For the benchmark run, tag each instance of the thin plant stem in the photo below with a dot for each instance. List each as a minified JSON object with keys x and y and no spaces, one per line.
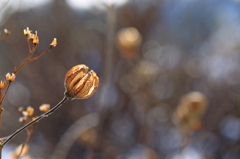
{"x":108,"y":67}
{"x":30,"y":60}
{"x":21,"y":66}
{"x":34,"y":121}
{"x":35,"y":58}
{"x":1,"y":147}
{"x":4,"y":36}
{"x":5,"y":93}
{"x":28,"y":43}
{"x":29,"y":133}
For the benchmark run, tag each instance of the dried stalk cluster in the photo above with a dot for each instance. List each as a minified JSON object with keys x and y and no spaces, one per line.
{"x":79,"y":83}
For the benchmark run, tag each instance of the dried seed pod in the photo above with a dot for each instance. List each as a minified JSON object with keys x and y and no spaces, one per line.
{"x":79,"y":83}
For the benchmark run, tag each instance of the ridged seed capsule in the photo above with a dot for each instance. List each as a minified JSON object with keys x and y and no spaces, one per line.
{"x":79,"y":83}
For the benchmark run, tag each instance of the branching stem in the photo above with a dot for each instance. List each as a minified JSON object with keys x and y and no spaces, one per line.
{"x":34,"y":121}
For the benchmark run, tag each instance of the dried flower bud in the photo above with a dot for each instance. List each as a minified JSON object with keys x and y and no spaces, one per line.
{"x":30,"y":111}
{"x":6,"y":31}
{"x":31,"y":36}
{"x":36,"y":40}
{"x":54,"y":42}
{"x":10,"y":77}
{"x":21,"y":119}
{"x":25,"y":113}
{"x":44,"y":107}
{"x":79,"y":83}
{"x":2,"y":85}
{"x":20,"y":109}
{"x":27,"y":32}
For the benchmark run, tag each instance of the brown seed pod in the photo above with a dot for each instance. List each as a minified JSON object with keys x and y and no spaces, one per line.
{"x":79,"y":83}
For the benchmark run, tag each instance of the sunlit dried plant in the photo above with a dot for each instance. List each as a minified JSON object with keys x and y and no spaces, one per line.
{"x":78,"y":83}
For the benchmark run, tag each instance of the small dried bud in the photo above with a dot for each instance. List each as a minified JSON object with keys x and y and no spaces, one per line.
{"x":25,"y":113}
{"x":21,"y":119}
{"x":20,"y":109}
{"x":10,"y":77}
{"x":27,"y":32}
{"x":35,"y":40}
{"x":44,"y":107}
{"x":6,"y":31}
{"x":54,"y":42}
{"x":30,"y":111}
{"x":2,"y":84}
{"x":79,"y":83}
{"x":31,"y":36}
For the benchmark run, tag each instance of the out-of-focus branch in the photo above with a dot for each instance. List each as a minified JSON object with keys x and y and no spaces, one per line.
{"x":107,"y":69}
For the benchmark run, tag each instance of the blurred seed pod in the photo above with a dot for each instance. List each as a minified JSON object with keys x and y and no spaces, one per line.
{"x":19,"y":149}
{"x":128,"y":42}
{"x":88,"y":137}
{"x":146,"y":71}
{"x":195,"y":102}
{"x":190,"y":110}
{"x":196,"y":125}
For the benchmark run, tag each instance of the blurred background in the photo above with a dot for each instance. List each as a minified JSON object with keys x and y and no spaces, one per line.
{"x":169,"y":78}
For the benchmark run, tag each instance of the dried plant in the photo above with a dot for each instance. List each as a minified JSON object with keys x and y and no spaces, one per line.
{"x":79,"y":84}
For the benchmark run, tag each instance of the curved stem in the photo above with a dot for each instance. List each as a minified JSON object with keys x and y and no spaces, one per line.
{"x":34,"y":121}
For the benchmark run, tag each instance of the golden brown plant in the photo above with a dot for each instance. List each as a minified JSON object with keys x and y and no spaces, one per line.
{"x":32,"y":41}
{"x":79,"y":83}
